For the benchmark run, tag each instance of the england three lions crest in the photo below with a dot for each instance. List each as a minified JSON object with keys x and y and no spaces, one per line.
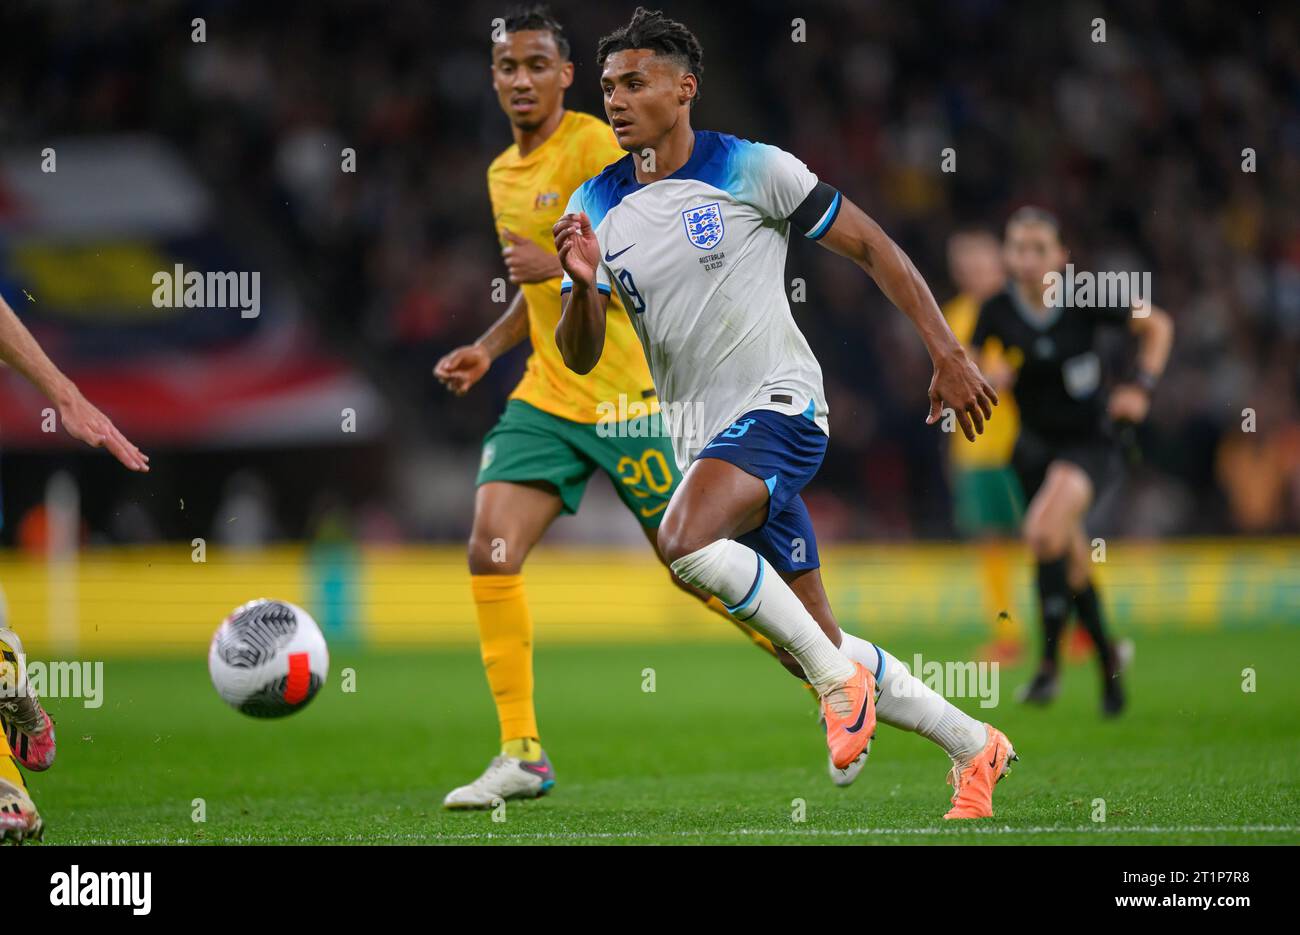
{"x":704,"y":226}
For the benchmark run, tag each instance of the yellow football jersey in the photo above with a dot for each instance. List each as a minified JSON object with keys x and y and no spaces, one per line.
{"x":993,"y":448}
{"x":528,"y":196}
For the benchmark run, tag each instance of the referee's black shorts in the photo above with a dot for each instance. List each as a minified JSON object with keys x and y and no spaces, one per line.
{"x":1096,"y":454}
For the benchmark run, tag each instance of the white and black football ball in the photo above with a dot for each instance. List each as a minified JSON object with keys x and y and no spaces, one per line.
{"x":268,"y":658}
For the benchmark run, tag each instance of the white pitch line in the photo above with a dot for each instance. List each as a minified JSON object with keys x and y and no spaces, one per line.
{"x":732,"y":833}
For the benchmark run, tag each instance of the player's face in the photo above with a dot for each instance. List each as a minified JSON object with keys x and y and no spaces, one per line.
{"x":1032,"y":250}
{"x":644,"y":96}
{"x":529,"y":76}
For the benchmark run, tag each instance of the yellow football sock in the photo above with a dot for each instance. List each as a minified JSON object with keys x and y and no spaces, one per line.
{"x":8,"y":768}
{"x":505,"y":629}
{"x":996,"y":565}
{"x":528,"y":749}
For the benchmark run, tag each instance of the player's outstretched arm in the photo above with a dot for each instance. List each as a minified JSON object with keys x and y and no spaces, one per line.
{"x":957,"y":382}
{"x":80,"y":419}
{"x":1130,"y":401}
{"x":580,"y":335}
{"x":462,"y":368}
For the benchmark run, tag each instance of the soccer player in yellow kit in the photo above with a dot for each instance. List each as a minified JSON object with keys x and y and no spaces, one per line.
{"x":558,"y":428}
{"x":987,"y":500}
{"x":26,"y":731}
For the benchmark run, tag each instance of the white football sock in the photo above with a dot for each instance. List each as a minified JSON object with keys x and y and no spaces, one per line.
{"x":859,"y":650}
{"x":908,"y":703}
{"x":755,"y":594}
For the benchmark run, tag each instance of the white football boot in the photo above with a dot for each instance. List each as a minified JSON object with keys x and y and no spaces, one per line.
{"x":507,"y":777}
{"x":19,"y":820}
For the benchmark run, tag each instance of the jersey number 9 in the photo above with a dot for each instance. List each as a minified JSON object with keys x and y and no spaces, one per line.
{"x":636,"y":303}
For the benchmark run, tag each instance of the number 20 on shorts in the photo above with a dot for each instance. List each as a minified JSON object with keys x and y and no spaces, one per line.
{"x":652,"y":470}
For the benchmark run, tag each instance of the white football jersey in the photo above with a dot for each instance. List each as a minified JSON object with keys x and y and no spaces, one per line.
{"x":698,"y":258}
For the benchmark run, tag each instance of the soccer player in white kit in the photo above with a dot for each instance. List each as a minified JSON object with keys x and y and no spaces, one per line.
{"x":692,"y":228}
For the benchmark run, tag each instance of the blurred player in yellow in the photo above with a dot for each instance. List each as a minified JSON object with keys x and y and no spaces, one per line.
{"x":986,"y":495}
{"x":558,"y":428}
{"x":26,"y":731}
{"x":19,"y":820}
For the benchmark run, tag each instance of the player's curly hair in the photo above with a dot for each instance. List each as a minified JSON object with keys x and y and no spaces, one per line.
{"x":538,"y":16}
{"x":650,"y":29}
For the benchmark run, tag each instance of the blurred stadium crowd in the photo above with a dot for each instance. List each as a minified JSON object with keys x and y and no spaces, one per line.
{"x":1136,"y":142}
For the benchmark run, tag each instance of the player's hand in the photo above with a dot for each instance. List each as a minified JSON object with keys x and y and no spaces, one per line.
{"x":958,"y":384}
{"x":85,"y":423}
{"x":1129,"y":403}
{"x":575,"y":242}
{"x":527,"y":262}
{"x":462,"y":368}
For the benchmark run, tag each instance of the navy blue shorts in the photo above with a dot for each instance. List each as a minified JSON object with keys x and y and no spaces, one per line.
{"x":784,"y":452}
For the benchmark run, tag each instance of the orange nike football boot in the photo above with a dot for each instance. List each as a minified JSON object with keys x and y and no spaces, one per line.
{"x":850,"y":712}
{"x":972,"y":784}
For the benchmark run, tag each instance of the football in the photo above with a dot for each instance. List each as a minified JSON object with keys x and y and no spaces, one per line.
{"x":268,"y":659}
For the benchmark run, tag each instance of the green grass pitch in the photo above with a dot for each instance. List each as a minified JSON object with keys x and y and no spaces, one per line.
{"x":718,"y":753}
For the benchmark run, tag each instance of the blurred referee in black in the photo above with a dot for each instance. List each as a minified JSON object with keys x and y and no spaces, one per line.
{"x":1067,"y":451}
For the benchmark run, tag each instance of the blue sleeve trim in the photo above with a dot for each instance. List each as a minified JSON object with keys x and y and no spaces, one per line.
{"x":601,"y":287}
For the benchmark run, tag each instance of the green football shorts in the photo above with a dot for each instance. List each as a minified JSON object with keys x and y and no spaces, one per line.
{"x":987,"y":501}
{"x":528,"y":445}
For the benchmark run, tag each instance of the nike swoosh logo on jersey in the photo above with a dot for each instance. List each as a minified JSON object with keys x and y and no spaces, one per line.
{"x":611,"y":257}
{"x":648,"y":513}
{"x":720,"y":445}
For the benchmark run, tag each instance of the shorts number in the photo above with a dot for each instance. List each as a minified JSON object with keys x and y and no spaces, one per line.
{"x":638,"y":303}
{"x":738,"y":428}
{"x":652,"y":469}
